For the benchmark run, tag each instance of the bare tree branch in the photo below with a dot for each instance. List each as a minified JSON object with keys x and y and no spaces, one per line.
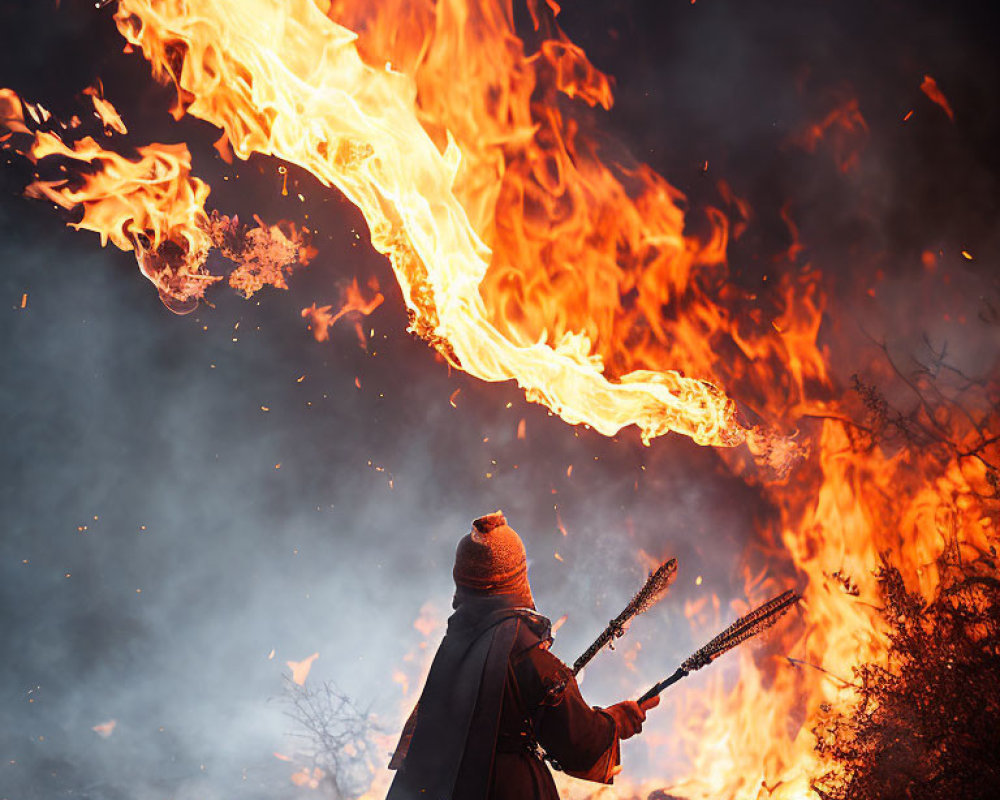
{"x":338,"y":737}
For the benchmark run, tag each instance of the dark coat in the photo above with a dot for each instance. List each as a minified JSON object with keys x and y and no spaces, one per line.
{"x":494,"y":693}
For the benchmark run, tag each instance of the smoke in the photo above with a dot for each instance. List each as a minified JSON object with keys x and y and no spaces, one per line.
{"x":155,"y":551}
{"x":155,"y":555}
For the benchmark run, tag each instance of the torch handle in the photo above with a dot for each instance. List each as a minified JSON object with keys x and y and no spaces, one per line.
{"x":659,"y":687}
{"x":615,"y":629}
{"x":654,"y":587}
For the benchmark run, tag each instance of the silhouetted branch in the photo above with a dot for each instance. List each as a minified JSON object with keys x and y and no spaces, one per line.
{"x":338,"y":736}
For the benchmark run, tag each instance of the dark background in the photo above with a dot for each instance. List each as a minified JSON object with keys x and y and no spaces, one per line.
{"x":152,"y":554}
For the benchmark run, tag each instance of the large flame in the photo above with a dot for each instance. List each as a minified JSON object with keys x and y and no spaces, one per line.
{"x":283,"y":79}
{"x":522,"y":255}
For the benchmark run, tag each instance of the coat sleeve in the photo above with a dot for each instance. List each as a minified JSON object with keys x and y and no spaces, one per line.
{"x":583,"y":740}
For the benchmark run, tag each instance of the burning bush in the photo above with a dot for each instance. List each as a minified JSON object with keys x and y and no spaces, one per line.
{"x":926,"y":723}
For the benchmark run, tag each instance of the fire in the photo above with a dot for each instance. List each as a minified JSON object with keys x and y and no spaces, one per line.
{"x":300,"y":669}
{"x":309,"y":779}
{"x":106,"y":112}
{"x":283,"y":79}
{"x":139,"y":205}
{"x":430,"y":624}
{"x":322,"y":318}
{"x":930,"y":88}
{"x":11,"y":113}
{"x":521,"y":255}
{"x":154,"y":206}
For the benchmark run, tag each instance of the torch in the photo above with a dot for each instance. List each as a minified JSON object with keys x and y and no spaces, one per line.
{"x":746,"y":627}
{"x":654,"y":588}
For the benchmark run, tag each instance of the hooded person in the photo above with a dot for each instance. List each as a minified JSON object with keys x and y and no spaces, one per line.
{"x":497,"y":704}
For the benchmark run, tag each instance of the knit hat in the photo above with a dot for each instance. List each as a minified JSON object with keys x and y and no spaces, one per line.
{"x":491,"y":560}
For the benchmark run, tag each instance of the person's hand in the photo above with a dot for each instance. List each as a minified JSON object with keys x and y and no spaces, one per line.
{"x":629,"y":716}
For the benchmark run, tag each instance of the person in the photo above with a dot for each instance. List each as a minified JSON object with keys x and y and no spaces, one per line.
{"x":497,"y":705}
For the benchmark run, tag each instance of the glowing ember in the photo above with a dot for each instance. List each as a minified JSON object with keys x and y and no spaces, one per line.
{"x":930,"y":88}
{"x":322,"y":318}
{"x":300,"y":669}
{"x":105,"y":729}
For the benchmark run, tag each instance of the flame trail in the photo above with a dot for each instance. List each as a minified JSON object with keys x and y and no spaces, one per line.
{"x":746,"y":627}
{"x":652,"y":592}
{"x":282,"y":79}
{"x":154,"y":206}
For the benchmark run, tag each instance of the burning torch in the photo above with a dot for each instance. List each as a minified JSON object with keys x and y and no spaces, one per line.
{"x":746,"y":627}
{"x":655,"y":587}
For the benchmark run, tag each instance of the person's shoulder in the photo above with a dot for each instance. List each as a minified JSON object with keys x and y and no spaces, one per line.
{"x":531,"y":654}
{"x":533,"y":632}
{"x":534,"y":624}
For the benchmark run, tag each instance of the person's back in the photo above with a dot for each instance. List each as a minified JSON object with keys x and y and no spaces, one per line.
{"x":496,"y":699}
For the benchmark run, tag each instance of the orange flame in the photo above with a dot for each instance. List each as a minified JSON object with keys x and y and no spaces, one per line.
{"x":309,"y":779}
{"x":104,"y":110}
{"x":11,"y":112}
{"x":153,"y":206}
{"x":321,"y":318}
{"x":285,"y":80}
{"x":930,"y":88}
{"x":300,"y":669}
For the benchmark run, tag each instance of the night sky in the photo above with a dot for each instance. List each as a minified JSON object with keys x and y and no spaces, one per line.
{"x":154,"y":553}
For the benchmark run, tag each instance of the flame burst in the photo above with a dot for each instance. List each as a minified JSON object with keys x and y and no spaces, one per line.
{"x":283,"y":79}
{"x":153,"y":206}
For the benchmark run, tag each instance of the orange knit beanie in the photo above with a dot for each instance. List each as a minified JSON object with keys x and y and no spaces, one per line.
{"x":491,"y":559}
